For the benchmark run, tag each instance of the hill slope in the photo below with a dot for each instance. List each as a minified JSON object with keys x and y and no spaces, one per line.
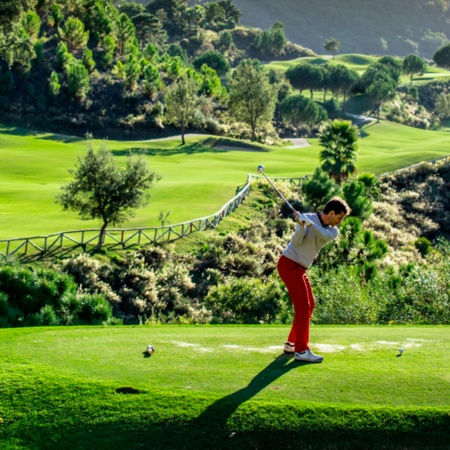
{"x":397,"y":27}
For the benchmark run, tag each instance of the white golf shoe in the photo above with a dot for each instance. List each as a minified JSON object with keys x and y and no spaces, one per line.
{"x":308,"y":356}
{"x":289,"y":348}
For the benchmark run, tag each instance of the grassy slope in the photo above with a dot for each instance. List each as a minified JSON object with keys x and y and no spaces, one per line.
{"x":57,"y":386}
{"x":197,"y":179}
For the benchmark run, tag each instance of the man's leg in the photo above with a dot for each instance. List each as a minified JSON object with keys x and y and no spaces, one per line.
{"x":293,"y":276}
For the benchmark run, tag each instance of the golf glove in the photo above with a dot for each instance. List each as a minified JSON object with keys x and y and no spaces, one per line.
{"x":303,"y":220}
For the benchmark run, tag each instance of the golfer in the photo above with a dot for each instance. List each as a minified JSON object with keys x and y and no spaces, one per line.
{"x":313,"y":231}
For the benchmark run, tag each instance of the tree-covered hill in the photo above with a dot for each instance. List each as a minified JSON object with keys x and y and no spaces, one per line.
{"x":109,"y":68}
{"x":394,"y":27}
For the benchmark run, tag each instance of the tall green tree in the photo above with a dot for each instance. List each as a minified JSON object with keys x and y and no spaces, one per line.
{"x":175,"y":12}
{"x":132,"y":72}
{"x":379,"y":92}
{"x":252,"y":98}
{"x":413,"y":65}
{"x":109,"y":46}
{"x":54,"y":86}
{"x":78,"y":82}
{"x":332,"y":45}
{"x":278,"y":39}
{"x":183,"y":104}
{"x":31,"y":23}
{"x":101,"y":189}
{"x":442,"y":56}
{"x":73,"y":33}
{"x":149,"y":29}
{"x":300,"y":75}
{"x":297,"y":110}
{"x":340,"y":142}
{"x":231,"y":12}
{"x":124,"y":31}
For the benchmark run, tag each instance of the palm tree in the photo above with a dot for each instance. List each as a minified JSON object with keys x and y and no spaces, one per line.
{"x":339,"y":140}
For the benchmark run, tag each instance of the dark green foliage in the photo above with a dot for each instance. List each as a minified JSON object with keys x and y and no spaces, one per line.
{"x":332,"y":108}
{"x":46,"y":297}
{"x":317,"y":189}
{"x":6,"y":82}
{"x":354,"y":193}
{"x":413,"y":65}
{"x":87,"y":60}
{"x":225,"y":40}
{"x":442,"y":56}
{"x":297,"y":110}
{"x":78,"y":82}
{"x":213,"y":59}
{"x":371,"y":184}
{"x":423,"y":245}
{"x":176,"y":50}
{"x":93,"y":309}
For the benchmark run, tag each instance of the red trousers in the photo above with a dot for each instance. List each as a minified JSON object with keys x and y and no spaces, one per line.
{"x":299,"y":288}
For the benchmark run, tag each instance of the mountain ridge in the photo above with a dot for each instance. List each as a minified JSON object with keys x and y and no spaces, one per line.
{"x":385,"y":27}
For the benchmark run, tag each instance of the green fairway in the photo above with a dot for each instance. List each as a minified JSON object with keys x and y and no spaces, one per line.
{"x":197,"y":179}
{"x":59,"y":385}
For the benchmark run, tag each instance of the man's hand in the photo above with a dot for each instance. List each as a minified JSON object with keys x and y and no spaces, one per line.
{"x":302,"y":219}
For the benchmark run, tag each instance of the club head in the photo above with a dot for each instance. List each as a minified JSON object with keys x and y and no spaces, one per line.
{"x":260,"y":168}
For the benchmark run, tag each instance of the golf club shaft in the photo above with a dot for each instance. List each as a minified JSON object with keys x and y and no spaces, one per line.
{"x":279,"y":193}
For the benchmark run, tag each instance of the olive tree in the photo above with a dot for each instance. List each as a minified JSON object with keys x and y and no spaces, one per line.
{"x":101,"y":189}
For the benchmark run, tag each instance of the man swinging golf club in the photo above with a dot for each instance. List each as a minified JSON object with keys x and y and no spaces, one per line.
{"x":313,"y":231}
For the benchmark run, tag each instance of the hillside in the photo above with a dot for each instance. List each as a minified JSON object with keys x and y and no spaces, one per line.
{"x":397,"y":27}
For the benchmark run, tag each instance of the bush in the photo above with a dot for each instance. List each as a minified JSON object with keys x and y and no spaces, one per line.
{"x":94,"y":309}
{"x":422,"y":298}
{"x":46,"y":297}
{"x":342,"y":298}
{"x":423,"y":245}
{"x":245,"y":300}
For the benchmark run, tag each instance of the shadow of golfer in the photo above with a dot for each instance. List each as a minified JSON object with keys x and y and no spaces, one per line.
{"x":213,"y":421}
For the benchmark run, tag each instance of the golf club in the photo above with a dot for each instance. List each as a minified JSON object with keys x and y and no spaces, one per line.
{"x":261,"y":170}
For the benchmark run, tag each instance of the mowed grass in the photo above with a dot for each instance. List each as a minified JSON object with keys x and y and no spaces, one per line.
{"x":197,"y":178}
{"x":58,"y":387}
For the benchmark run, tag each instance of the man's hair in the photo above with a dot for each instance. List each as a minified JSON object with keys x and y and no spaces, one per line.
{"x":338,"y":205}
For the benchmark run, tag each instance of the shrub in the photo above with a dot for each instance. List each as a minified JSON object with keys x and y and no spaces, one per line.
{"x":245,"y":300}
{"x":423,"y":245}
{"x":342,"y":298}
{"x":94,"y":309}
